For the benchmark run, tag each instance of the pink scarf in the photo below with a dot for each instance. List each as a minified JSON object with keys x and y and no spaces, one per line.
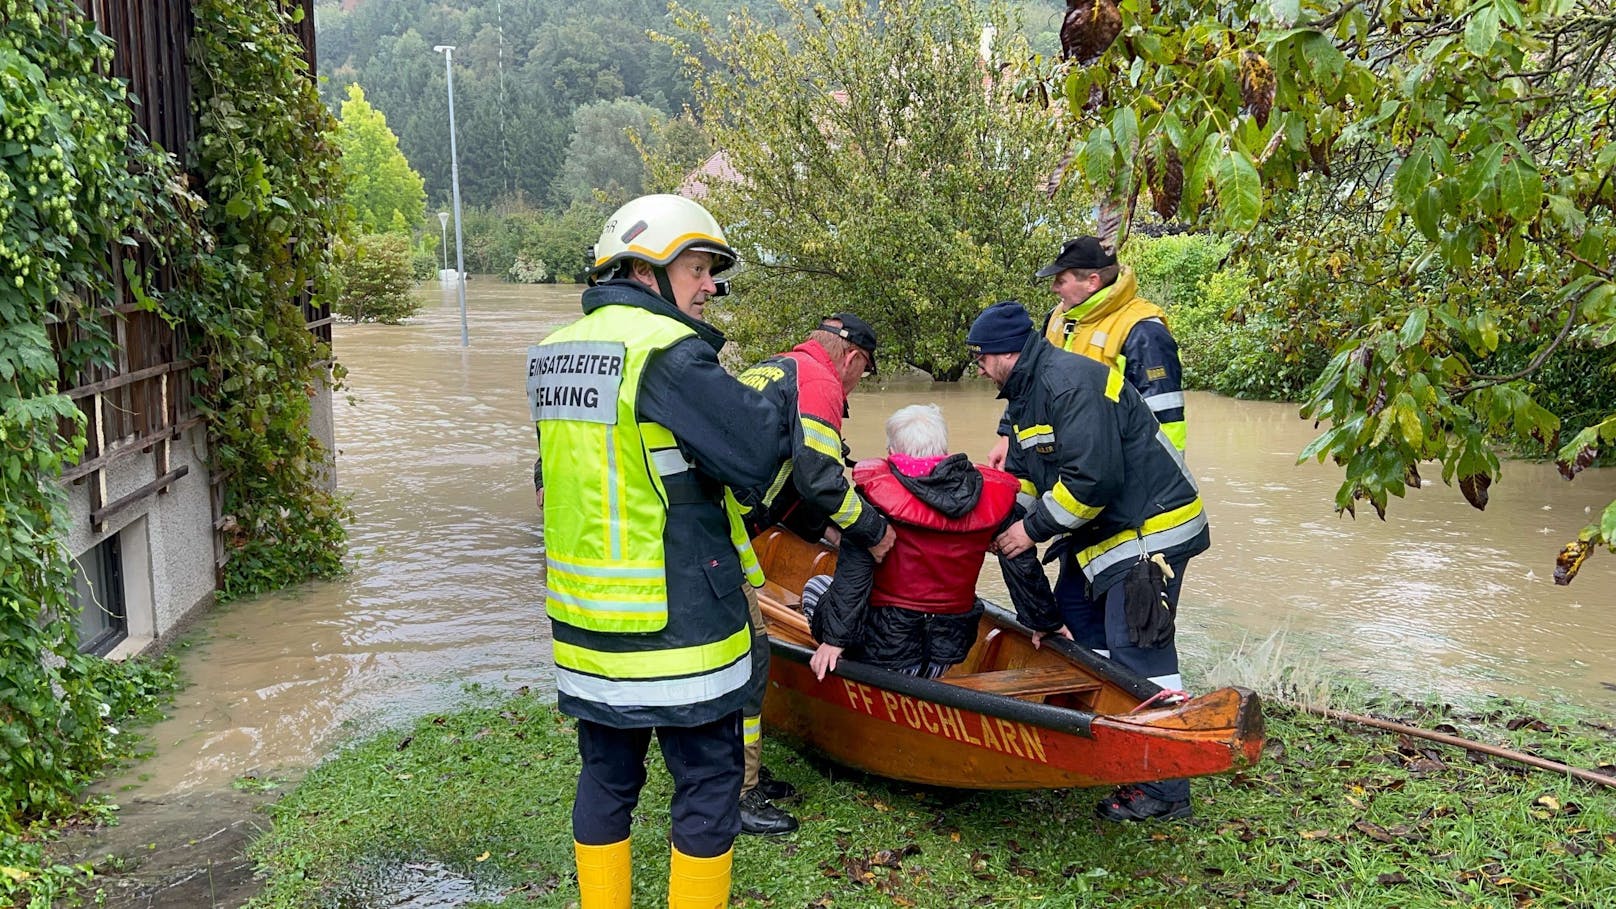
{"x":914,"y":467}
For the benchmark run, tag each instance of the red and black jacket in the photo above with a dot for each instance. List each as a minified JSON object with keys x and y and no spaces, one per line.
{"x":935,"y":563}
{"x":805,"y":388}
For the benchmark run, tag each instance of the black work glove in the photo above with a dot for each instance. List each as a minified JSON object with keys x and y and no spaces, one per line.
{"x":1149,"y":613}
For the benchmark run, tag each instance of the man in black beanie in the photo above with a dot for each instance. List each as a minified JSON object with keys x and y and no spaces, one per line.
{"x":1097,"y":473}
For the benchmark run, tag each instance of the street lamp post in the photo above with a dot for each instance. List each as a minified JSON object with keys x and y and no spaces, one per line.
{"x":447,"y":50}
{"x":443,"y":222}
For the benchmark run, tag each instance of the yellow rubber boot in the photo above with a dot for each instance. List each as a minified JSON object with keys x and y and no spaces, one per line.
{"x":605,"y":874}
{"x":699,"y":883}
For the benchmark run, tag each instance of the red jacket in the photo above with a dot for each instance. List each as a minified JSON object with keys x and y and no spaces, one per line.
{"x":934,"y":565}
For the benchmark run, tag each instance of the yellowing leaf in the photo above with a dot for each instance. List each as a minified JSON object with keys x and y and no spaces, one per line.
{"x":16,"y":874}
{"x":1549,"y":802}
{"x":483,"y":857}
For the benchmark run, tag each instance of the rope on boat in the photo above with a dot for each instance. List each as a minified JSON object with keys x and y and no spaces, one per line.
{"x":1161,"y":697}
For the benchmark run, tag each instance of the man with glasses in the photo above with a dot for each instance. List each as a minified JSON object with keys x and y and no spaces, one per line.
{"x":811,"y":496}
{"x":1102,"y":480}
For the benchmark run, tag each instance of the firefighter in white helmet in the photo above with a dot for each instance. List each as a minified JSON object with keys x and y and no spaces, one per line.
{"x":640,"y":430}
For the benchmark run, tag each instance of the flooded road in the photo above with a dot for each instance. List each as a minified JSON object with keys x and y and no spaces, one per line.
{"x":436,"y":449}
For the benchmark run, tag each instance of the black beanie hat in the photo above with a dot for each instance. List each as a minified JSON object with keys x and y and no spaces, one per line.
{"x":1001,"y":328}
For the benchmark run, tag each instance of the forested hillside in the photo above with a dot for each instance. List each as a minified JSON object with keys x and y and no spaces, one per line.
{"x":522,"y":68}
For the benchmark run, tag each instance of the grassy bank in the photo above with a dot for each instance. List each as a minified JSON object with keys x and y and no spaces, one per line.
{"x":479,"y":800}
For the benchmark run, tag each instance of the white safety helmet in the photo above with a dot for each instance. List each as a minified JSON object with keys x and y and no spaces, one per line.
{"x":656,"y":229}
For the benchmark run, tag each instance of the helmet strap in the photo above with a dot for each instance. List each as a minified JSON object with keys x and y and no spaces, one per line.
{"x":664,"y":285}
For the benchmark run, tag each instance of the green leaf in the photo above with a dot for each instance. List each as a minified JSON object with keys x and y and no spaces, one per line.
{"x":1479,"y":181}
{"x":1077,"y":90}
{"x":1607,"y":524}
{"x":1408,"y":420}
{"x":1125,"y":130}
{"x":1599,"y":303}
{"x":1413,"y":330}
{"x":1482,"y":30}
{"x":1239,"y":190}
{"x":1099,"y":158}
{"x":1520,"y":188}
{"x":1324,"y":61}
{"x":1428,"y":213}
{"x":1284,"y":12}
{"x":1564,"y":214}
{"x":1414,"y":174}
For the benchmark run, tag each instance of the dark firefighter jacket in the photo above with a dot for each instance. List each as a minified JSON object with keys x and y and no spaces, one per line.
{"x":1096,"y":465}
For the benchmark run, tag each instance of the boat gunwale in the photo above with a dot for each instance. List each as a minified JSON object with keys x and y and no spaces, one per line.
{"x":1045,"y":716}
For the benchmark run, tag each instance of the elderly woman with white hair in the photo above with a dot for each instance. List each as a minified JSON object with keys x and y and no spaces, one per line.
{"x":917,"y":611}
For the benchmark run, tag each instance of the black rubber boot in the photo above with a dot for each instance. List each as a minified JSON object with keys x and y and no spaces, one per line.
{"x":761,"y":818}
{"x":773,"y":788}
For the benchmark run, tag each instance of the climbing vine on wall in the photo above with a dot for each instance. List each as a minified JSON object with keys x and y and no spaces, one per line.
{"x":74,"y":182}
{"x":247,"y":235}
{"x":267,"y":164}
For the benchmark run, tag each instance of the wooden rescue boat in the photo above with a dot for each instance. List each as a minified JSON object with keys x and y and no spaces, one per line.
{"x":1008,"y":717}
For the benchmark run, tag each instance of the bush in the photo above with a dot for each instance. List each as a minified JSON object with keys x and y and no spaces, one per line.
{"x":1227,"y":344}
{"x":529,"y":270}
{"x":424,"y":261}
{"x":1171,"y":269}
{"x":373,"y":276}
{"x":496,"y":240}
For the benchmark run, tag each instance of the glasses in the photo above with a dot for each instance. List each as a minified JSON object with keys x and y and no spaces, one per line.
{"x":865,"y":372}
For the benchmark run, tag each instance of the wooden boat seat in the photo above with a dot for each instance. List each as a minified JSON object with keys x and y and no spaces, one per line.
{"x":1031,"y":681}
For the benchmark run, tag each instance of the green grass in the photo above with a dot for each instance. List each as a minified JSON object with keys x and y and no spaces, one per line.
{"x":1336,"y":816}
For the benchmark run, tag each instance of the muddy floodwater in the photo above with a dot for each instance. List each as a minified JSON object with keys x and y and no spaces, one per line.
{"x":435,"y":450}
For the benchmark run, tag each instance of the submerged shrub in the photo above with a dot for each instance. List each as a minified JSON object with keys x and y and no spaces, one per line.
{"x":375,"y":275}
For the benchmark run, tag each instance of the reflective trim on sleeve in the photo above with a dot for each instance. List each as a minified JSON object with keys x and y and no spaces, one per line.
{"x":1160,"y":533}
{"x":779,"y":483}
{"x":751,"y":730}
{"x":656,"y":693}
{"x":1171,"y":400}
{"x":1042,"y":434}
{"x":822,"y":438}
{"x":1066,"y":509}
{"x":1028,"y":487}
{"x":1026,"y":500}
{"x":852,"y":509}
{"x":1175,"y":450}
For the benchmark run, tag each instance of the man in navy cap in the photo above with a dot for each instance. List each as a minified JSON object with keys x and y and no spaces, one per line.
{"x":1099,"y":314}
{"x":809,"y":494}
{"x":1100,"y":477}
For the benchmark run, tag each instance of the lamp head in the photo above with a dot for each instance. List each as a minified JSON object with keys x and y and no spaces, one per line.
{"x":440,"y":48}
{"x":443,"y":218}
